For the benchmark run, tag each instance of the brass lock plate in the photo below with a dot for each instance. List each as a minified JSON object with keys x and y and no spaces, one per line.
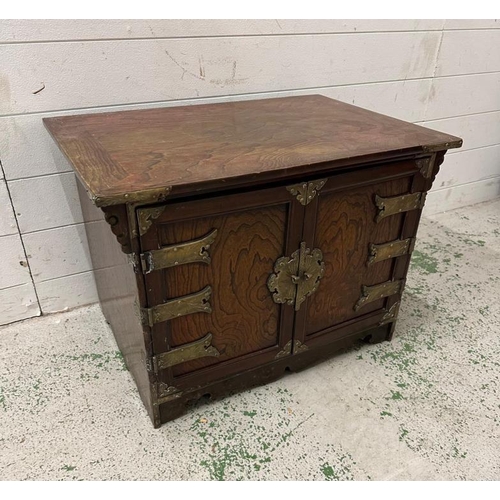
{"x":296,"y":277}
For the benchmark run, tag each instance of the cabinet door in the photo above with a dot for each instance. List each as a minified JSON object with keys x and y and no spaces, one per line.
{"x":341,"y":221}
{"x":207,"y":263}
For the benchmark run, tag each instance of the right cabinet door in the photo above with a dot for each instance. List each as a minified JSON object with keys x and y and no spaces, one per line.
{"x":359,"y":221}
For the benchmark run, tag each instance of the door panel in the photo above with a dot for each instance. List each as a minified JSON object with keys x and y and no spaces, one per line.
{"x":244,"y":319}
{"x":345,"y":228}
{"x":341,"y":222}
{"x":246,"y":325}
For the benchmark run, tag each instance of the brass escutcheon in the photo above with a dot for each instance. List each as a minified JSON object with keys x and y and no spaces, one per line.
{"x":296,"y":277}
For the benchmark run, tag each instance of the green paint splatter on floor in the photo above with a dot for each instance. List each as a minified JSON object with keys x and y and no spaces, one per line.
{"x":458,"y":454}
{"x":2,"y":399}
{"x":106,"y":360}
{"x":424,"y":262}
{"x":329,"y":472}
{"x":396,"y":395}
{"x":414,"y":290}
{"x":403,"y":434}
{"x":262,"y":437}
{"x":483,"y":311}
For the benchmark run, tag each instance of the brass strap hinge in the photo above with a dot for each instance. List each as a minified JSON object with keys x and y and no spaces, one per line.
{"x":189,"y":304}
{"x":398,"y":204}
{"x":384,"y":251}
{"x":306,"y":191}
{"x":375,"y":292}
{"x":296,"y":277}
{"x":181,"y":253}
{"x":200,"y":348}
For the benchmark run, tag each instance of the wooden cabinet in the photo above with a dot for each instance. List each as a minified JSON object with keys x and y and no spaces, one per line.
{"x":243,"y":239}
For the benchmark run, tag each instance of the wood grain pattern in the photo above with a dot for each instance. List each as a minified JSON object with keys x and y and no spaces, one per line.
{"x":345,"y":228}
{"x":244,"y":318}
{"x":192,"y":148}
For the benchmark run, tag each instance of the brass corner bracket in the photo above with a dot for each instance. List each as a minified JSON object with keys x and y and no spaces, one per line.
{"x":286,"y":351}
{"x":391,"y":314}
{"x":306,"y":191}
{"x":426,"y":166}
{"x":292,"y":347}
{"x":146,"y":217}
{"x":299,"y":347}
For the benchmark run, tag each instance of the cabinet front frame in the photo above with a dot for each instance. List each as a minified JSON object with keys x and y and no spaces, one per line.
{"x":301,"y":227}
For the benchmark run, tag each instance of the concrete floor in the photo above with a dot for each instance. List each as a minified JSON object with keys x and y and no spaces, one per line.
{"x":425,"y":406}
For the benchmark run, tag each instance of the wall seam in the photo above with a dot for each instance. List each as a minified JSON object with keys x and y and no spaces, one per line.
{"x":102,"y":108}
{"x":22,"y":241}
{"x":247,"y":35}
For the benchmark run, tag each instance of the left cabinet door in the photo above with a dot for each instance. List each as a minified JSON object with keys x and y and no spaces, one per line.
{"x":206,"y":265}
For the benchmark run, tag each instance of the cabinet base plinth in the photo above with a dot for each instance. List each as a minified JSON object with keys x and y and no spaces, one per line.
{"x":264,"y":374}
{"x":378,"y":335}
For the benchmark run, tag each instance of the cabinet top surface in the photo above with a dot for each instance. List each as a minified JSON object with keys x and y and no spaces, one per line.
{"x":141,"y":155}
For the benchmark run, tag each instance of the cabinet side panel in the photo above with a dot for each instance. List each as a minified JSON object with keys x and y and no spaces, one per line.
{"x":118,"y":290}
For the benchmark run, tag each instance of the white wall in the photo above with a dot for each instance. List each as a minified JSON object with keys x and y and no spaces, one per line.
{"x":444,"y":74}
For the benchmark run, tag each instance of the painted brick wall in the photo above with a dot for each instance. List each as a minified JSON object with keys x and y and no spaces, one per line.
{"x":441,"y":73}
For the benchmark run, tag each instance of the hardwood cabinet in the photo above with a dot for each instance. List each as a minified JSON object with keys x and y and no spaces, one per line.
{"x":239,"y":240}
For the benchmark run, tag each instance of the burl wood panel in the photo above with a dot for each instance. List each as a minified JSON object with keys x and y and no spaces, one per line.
{"x":345,"y":228}
{"x":244,"y":318}
{"x":195,"y":148}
